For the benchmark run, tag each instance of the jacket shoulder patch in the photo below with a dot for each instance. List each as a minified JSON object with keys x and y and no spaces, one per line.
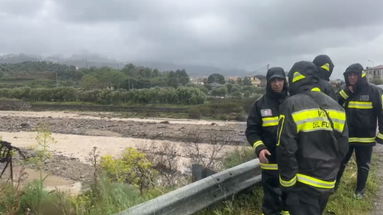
{"x":364,"y":98}
{"x":266,"y":112}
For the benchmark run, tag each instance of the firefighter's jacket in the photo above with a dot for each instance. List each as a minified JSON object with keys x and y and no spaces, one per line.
{"x":262,"y":122}
{"x":364,"y":111}
{"x":312,"y":134}
{"x":327,"y":89}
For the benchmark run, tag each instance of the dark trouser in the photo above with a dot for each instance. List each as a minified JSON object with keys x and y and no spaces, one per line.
{"x":363,"y":159}
{"x":272,"y":193}
{"x":305,"y":200}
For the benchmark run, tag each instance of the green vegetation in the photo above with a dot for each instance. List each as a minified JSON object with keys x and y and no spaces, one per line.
{"x":181,"y":95}
{"x":105,"y":197}
{"x":117,"y":185}
{"x":133,"y":168}
{"x":47,"y":82}
{"x":342,"y":202}
{"x":47,"y":75}
{"x":216,"y":78}
{"x":120,"y":183}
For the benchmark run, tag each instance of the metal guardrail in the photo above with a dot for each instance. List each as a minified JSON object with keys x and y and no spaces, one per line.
{"x":200,"y":194}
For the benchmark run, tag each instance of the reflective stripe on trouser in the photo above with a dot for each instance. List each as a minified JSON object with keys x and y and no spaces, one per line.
{"x":269,"y":166}
{"x":361,"y":139}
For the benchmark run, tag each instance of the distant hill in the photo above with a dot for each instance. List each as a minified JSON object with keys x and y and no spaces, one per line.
{"x":92,"y":60}
{"x":195,"y":70}
{"x":19,"y":58}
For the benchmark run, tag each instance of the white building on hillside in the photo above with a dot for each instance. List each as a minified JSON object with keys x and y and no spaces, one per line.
{"x":374,"y":73}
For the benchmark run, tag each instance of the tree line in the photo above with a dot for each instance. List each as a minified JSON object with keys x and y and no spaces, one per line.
{"x":181,"y":95}
{"x":49,"y":74}
{"x":48,"y":81}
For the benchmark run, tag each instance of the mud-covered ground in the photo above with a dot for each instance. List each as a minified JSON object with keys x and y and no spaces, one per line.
{"x":165,"y":129}
{"x":103,"y":125}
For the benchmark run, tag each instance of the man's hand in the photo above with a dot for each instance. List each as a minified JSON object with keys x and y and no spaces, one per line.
{"x":263,"y":156}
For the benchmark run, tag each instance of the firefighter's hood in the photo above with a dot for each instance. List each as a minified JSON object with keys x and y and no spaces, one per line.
{"x":324,"y":66}
{"x":302,"y":77}
{"x":276,"y":72}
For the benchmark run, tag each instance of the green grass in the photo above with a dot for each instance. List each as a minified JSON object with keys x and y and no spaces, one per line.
{"x":340,"y":203}
{"x":241,"y":204}
{"x":106,"y":197}
{"x":248,"y":202}
{"x":343,"y":202}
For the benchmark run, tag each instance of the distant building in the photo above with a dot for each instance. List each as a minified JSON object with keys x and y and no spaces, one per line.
{"x":374,"y":73}
{"x":255,"y":81}
{"x":263,"y":80}
{"x":198,"y":81}
{"x":232,"y":78}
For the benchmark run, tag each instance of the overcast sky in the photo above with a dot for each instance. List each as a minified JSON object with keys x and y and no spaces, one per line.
{"x":245,"y":34}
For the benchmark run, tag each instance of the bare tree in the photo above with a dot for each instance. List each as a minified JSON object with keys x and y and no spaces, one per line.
{"x":207,"y":157}
{"x":164,"y":157}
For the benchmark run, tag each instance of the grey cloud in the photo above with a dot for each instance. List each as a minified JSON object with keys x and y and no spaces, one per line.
{"x":242,"y":34}
{"x":20,"y":8}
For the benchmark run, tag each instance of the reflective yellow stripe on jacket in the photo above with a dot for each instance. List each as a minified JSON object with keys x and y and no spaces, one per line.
{"x":316,"y":119}
{"x":257,"y":143}
{"x":382,"y":101}
{"x":280,"y":129}
{"x":343,"y":94}
{"x":380,"y":136}
{"x":297,"y":76}
{"x":269,"y":166}
{"x":269,"y":121}
{"x":326,"y":66}
{"x":360,"y":105}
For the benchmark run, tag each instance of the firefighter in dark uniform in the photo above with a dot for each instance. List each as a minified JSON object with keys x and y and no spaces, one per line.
{"x":325,"y":67}
{"x":363,"y":104}
{"x":312,"y":141}
{"x":261,"y":133}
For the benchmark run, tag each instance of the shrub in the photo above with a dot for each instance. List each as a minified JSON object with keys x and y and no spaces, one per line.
{"x":133,"y":167}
